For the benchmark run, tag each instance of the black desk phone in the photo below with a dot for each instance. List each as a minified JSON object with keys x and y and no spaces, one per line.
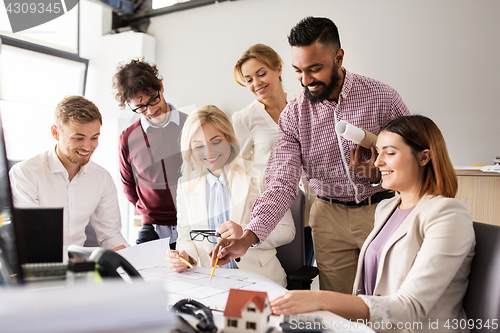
{"x":108,"y":261}
{"x":197,"y":310}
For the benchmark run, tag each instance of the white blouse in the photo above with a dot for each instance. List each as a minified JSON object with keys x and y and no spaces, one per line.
{"x":256,"y":131}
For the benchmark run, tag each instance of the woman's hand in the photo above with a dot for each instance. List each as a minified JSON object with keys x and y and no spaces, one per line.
{"x":302,"y":301}
{"x":229,"y":229}
{"x":297,"y":301}
{"x":176,"y":264}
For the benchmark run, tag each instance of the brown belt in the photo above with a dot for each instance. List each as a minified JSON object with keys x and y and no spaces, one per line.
{"x":376,"y":198}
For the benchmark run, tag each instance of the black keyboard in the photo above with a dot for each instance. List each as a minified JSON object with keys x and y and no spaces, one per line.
{"x":44,"y":271}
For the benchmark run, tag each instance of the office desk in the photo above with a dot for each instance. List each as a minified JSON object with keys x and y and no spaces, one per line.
{"x":148,"y":259}
{"x":137,"y":307}
{"x":112,"y":306}
{"x":480,"y":191}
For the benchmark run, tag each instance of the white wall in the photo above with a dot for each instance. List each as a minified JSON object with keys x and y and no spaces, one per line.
{"x":442,"y":56}
{"x":105,"y":53}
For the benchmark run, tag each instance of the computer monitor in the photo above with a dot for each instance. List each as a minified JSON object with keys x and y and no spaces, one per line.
{"x":39,"y":235}
{"x":10,"y":268}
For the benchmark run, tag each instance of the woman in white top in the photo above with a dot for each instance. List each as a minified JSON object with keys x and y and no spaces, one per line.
{"x":216,"y":192}
{"x":256,"y":126}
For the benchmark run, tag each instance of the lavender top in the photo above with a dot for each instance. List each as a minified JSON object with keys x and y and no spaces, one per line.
{"x":374,"y":250}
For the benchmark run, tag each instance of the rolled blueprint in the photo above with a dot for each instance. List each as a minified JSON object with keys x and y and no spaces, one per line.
{"x":355,"y":134}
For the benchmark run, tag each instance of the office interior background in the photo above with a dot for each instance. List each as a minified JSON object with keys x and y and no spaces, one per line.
{"x":441,"y":56}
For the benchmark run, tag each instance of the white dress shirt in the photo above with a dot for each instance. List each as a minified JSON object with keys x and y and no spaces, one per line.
{"x":42,"y":181}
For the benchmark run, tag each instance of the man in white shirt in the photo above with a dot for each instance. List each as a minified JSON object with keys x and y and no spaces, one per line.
{"x":65,"y":177}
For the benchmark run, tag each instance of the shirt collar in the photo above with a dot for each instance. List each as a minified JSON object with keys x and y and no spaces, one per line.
{"x":56,"y":165}
{"x":211,"y":179}
{"x":173,"y":118}
{"x":346,"y":87}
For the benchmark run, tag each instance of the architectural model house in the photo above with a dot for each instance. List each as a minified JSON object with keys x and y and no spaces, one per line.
{"x":247,"y":311}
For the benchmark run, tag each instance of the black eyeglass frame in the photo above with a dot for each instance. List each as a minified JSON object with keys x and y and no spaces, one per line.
{"x":145,"y":107}
{"x":205,"y":234}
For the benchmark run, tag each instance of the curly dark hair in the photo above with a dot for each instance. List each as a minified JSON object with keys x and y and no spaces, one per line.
{"x":134,"y":77}
{"x":312,"y":29}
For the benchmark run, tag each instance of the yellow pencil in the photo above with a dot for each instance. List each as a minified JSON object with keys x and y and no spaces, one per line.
{"x":215,"y":265}
{"x":185,"y":261}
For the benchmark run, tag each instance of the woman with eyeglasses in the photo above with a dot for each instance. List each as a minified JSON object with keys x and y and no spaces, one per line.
{"x":215,"y":196}
{"x":413,"y":267}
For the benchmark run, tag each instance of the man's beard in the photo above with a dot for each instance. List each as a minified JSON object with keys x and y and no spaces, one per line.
{"x":78,"y":160}
{"x":327,"y":90}
{"x":161,"y":118}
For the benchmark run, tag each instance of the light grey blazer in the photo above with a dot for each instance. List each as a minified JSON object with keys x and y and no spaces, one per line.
{"x":423,"y":271}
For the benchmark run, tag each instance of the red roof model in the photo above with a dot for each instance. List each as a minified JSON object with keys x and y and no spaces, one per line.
{"x":238,"y":300}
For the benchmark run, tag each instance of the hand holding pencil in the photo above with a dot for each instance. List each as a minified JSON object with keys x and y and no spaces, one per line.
{"x":215,"y":265}
{"x":178,"y":261}
{"x":231,"y":248}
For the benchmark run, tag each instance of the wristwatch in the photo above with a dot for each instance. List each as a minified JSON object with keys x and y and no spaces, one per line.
{"x":377,"y":183}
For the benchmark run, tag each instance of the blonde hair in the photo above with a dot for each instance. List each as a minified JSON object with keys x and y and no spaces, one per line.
{"x":77,"y":109}
{"x":261,"y":52}
{"x":191,"y":169}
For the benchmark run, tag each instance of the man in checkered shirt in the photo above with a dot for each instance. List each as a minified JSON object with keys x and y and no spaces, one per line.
{"x":342,"y":174}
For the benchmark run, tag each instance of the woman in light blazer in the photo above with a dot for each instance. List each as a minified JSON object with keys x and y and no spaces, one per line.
{"x":216,"y":192}
{"x":413,"y":268}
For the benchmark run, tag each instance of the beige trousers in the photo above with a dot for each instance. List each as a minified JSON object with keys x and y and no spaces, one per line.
{"x":338,"y":234}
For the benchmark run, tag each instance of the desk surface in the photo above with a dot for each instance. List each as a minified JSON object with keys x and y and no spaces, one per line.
{"x":115,"y":306}
{"x":148,"y":259}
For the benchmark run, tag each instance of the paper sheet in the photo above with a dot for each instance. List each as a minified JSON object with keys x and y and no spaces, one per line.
{"x":148,"y":259}
{"x":146,"y":255}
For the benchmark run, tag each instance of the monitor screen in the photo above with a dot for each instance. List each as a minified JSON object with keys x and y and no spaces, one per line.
{"x":39,"y":235}
{"x":10,"y":269}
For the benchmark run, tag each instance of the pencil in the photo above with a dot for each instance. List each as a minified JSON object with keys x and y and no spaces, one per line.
{"x":215,"y":265}
{"x":185,"y":261}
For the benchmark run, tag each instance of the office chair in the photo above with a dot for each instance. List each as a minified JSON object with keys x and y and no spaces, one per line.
{"x":482,"y":299}
{"x":292,"y":255}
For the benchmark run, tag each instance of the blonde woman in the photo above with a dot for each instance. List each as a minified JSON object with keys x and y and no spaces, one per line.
{"x":413,"y":267}
{"x":256,"y":126}
{"x":259,"y":70}
{"x":216,"y":192}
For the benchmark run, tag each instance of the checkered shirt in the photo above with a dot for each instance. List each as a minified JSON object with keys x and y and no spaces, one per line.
{"x":307,"y":141}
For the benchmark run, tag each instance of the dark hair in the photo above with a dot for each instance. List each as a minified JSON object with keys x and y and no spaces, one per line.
{"x":312,"y":29}
{"x":420,"y":132}
{"x":134,"y":77}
